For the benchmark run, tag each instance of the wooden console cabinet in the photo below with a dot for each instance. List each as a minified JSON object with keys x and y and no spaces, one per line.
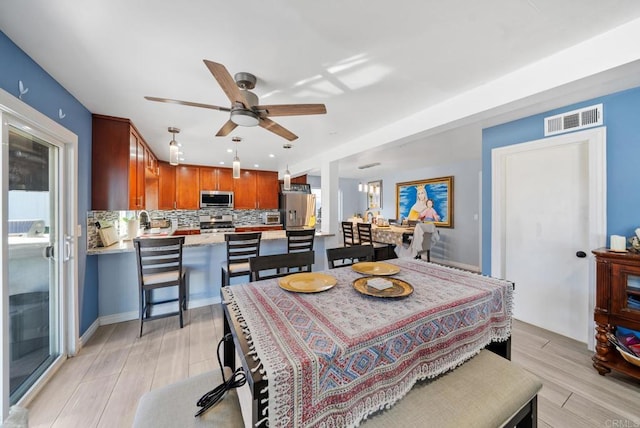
{"x":617,"y":283}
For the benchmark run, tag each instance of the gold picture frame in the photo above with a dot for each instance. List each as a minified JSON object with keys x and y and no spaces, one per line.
{"x":374,"y":195}
{"x":429,"y":200}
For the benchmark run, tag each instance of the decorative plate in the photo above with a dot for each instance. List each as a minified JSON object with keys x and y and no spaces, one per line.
{"x":307,"y":282}
{"x":375,"y":268}
{"x":399,"y":288}
{"x":629,"y":358}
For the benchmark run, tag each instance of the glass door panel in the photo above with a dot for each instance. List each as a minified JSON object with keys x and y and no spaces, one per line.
{"x":33,"y":262}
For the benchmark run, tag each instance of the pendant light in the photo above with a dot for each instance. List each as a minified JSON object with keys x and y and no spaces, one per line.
{"x":236,"y":159}
{"x":287,"y":179}
{"x":173,"y":147}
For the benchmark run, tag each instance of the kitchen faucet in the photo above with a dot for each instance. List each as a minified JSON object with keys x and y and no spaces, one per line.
{"x":146,"y":223}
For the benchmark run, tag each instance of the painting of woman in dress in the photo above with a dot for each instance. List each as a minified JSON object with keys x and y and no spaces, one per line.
{"x":426,"y":200}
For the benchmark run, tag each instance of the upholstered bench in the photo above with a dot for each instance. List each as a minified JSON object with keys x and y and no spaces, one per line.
{"x":174,"y":405}
{"x":486,"y":391}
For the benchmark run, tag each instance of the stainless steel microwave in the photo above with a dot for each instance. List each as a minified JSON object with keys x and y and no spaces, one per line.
{"x":216,"y":198}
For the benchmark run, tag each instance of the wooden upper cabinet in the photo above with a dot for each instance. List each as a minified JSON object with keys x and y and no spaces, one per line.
{"x":267,"y":187}
{"x":212,"y":178}
{"x":166,"y":186}
{"x":225,"y":179}
{"x":244,"y":190}
{"x":118,"y":165}
{"x":187,"y":187}
{"x":300,"y":180}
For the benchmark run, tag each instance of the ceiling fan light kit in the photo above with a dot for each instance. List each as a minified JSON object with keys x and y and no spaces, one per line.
{"x":245,"y":109}
{"x":244,"y":117}
{"x":174,"y":150}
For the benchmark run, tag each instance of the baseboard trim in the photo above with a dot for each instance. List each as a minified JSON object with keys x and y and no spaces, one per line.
{"x":463,"y":266}
{"x":133,"y":315}
{"x":87,"y":335}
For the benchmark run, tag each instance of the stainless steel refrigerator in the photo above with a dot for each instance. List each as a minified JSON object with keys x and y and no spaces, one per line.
{"x":296,"y":209}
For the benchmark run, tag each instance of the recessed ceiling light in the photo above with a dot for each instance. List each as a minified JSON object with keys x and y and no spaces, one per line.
{"x":221,"y":162}
{"x":271,"y":155}
{"x":229,"y":150}
{"x":255,"y":165}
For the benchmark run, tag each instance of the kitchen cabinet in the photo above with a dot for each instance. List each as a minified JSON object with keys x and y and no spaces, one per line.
{"x":267,"y":188}
{"x":151,"y":189}
{"x":185,"y":232}
{"x":118,"y":165}
{"x":212,"y":178}
{"x":617,"y":297}
{"x":187,"y":187}
{"x":166,"y":186}
{"x":244,"y":190}
{"x":300,"y":179}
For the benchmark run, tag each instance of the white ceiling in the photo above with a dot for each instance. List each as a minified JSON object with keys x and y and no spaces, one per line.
{"x":380,"y":67}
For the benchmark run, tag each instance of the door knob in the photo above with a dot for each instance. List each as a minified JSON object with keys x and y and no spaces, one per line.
{"x":581,"y":254}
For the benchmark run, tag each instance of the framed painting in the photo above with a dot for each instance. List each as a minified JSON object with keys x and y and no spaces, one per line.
{"x":374,"y":195}
{"x":426,"y":200}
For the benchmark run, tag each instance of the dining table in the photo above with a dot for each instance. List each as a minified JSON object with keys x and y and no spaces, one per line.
{"x":391,"y":234}
{"x":334,"y":357}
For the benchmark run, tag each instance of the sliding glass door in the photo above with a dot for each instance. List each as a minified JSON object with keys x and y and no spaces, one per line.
{"x":34,"y":259}
{"x":37,"y":264}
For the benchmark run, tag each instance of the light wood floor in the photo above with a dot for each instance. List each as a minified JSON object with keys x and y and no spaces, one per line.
{"x":101,"y":386}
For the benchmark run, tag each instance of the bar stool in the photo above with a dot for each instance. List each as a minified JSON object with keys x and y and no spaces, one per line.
{"x":240,"y":247}
{"x":300,"y":240}
{"x":160,"y":266}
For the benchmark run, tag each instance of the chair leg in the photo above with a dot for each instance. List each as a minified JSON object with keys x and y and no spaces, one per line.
{"x":141,"y":311}
{"x":186,"y":291}
{"x":428,"y":255}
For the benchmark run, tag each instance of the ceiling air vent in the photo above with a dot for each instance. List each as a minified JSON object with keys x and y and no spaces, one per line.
{"x":573,"y":120}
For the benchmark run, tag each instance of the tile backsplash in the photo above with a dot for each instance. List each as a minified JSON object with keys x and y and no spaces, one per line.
{"x":184,"y":218}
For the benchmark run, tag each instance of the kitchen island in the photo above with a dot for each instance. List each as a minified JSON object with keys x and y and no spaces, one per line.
{"x":202,"y":255}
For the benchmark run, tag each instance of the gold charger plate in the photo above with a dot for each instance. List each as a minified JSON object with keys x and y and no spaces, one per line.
{"x":400,"y":288}
{"x":375,"y":268}
{"x":307,"y":282}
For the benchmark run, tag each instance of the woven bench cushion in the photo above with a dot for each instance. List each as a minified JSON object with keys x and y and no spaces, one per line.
{"x":486,"y":391}
{"x":175,"y":405}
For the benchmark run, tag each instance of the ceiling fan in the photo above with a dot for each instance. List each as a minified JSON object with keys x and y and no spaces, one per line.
{"x":244,"y":110}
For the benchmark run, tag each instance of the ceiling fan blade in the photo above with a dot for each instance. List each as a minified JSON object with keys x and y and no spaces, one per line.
{"x":291,"y":109}
{"x":187,"y":103}
{"x":270,"y":125}
{"x":226,"y":82}
{"x":226,"y":128}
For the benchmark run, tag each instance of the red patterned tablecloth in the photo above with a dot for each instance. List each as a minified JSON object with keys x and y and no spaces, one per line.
{"x":332,"y":358}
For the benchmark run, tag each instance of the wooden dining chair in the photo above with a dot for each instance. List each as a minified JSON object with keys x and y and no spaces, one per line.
{"x":365,"y":236}
{"x":349,"y":236}
{"x":300,"y":240}
{"x":160,"y":266}
{"x":346,"y":256}
{"x":240,"y":248}
{"x":277,"y":265}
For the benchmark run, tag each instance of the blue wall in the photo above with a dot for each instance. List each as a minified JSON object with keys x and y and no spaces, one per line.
{"x":47,"y":96}
{"x":621,"y":111}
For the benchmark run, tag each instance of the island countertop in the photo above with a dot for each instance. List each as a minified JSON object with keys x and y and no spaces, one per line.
{"x":124,"y":246}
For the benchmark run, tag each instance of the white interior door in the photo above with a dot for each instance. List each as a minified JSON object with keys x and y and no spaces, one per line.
{"x":547,"y":214}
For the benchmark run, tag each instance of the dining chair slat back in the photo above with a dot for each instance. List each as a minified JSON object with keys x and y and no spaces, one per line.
{"x":346,"y":256}
{"x":159,"y":263}
{"x":240,"y":248}
{"x":277,"y":265}
{"x":300,"y":240}
{"x":348,"y":234}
